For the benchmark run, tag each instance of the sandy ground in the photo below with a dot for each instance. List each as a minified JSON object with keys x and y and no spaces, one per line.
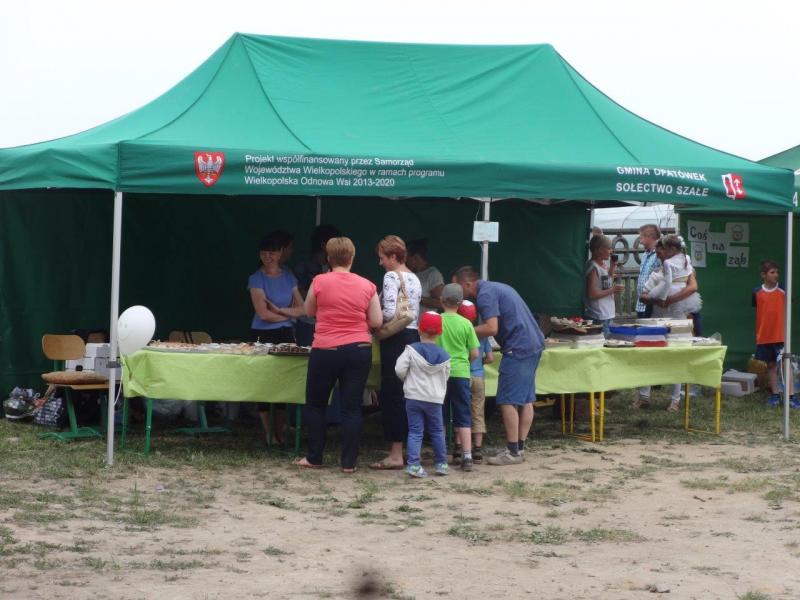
{"x":618,"y":521}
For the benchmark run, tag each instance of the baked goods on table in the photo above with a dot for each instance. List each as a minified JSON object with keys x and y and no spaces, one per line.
{"x":575,"y":325}
{"x":233,"y":348}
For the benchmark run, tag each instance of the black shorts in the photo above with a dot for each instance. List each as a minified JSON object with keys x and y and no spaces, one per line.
{"x":768,"y":352}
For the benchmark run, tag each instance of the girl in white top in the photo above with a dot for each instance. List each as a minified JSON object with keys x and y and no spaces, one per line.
{"x":672,"y":277}
{"x":600,"y":288}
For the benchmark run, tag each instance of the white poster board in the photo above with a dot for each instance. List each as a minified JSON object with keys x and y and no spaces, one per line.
{"x":738,"y":233}
{"x":698,"y":231}
{"x":698,"y":254}
{"x":738,"y":256}
{"x":485,"y":231}
{"x":717,"y":243}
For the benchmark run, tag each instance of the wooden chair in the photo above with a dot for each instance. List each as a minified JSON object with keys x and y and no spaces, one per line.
{"x":60,"y":348}
{"x":189,"y":337}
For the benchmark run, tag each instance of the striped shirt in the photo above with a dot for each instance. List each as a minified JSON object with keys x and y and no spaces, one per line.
{"x":649,"y":264}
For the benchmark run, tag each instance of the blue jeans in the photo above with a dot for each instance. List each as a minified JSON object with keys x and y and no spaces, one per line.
{"x":425,"y":416}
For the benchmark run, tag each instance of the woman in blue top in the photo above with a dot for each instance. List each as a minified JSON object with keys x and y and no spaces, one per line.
{"x":273,"y":289}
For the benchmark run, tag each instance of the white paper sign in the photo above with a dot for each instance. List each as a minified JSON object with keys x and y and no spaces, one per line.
{"x":738,"y":233}
{"x":485,"y":231}
{"x":698,"y":231}
{"x":738,"y":256}
{"x":717,"y":243}
{"x":698,"y":254}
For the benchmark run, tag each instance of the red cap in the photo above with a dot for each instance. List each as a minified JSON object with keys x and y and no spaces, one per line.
{"x":468,"y":310}
{"x":431,"y":323}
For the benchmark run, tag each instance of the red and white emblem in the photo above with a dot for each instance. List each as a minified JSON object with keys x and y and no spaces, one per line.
{"x":208,"y":166}
{"x":734,"y":186}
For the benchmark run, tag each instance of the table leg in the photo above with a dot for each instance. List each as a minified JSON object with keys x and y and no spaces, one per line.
{"x":125,"y":415}
{"x":75,"y":432}
{"x":202,"y":421}
{"x":686,"y":411}
{"x":148,"y":425}
{"x":717,"y":409}
{"x":572,"y":413}
{"x":591,"y":414}
{"x":297,"y":425}
{"x":602,"y":415}
{"x":563,"y":415}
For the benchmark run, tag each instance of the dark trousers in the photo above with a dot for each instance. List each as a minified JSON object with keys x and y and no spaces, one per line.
{"x":348,"y":366}
{"x":393,"y":404}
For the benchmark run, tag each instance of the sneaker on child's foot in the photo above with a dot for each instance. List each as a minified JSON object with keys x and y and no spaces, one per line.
{"x":477,"y":454}
{"x":416,"y":471}
{"x":466,"y":464}
{"x":774,"y":400}
{"x":457,"y":455}
{"x":522,"y":455}
{"x":441,"y":468}
{"x":505,"y":458}
{"x":794,"y":402}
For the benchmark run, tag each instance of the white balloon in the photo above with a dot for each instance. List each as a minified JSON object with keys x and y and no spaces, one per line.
{"x":135,"y":329}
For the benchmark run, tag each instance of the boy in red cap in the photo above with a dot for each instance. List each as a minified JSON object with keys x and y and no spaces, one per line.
{"x":469,"y":311}
{"x":424,"y":369}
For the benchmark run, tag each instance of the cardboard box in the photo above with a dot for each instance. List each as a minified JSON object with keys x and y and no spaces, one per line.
{"x":746,"y":381}
{"x":98,"y":350}
{"x":732,"y":388}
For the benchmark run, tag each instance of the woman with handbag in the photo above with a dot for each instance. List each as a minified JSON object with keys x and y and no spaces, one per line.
{"x":346,"y":307}
{"x":400,"y":299}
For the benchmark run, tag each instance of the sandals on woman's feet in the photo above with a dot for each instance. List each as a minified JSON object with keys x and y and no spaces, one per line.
{"x":303,"y":463}
{"x":640,"y":403}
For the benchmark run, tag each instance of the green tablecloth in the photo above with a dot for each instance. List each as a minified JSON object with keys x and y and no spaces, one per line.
{"x":221,"y":377}
{"x":237,"y":378}
{"x":565,"y":370}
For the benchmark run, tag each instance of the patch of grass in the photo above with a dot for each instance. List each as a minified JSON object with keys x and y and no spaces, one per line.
{"x":755,"y":519}
{"x":749,"y":484}
{"x":406,"y":508}
{"x":581,"y":511}
{"x":607,"y":535}
{"x":416,"y":497}
{"x":390,"y":591}
{"x":552,"y":514}
{"x":34,"y":515}
{"x":673,"y":517}
{"x":473,"y":489}
{"x":267,"y":499}
{"x":177,"y":565}
{"x":549,"y":535}
{"x":707,"y":570}
{"x":469,"y":533}
{"x":369,"y":494}
{"x":660,"y":461}
{"x":96,"y":563}
{"x":778,"y":495}
{"x":367,"y":516}
{"x":153,"y":518}
{"x":718,"y":483}
{"x":754,"y":596}
{"x":274,"y":551}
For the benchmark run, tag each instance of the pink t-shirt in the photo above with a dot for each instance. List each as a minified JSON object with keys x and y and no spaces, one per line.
{"x":342,"y":301}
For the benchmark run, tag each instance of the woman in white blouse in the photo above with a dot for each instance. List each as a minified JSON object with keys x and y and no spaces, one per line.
{"x":392,"y":254}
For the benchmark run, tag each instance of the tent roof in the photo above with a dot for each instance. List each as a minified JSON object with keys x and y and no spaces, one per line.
{"x":275,"y":115}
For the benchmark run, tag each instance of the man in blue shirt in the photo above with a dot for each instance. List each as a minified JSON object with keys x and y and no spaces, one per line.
{"x":505,"y":316}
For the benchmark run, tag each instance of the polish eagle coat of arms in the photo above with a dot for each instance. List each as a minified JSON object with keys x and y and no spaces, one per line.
{"x":208,"y":166}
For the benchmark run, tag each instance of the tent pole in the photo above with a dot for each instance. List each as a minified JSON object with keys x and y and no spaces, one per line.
{"x":318,"y":218}
{"x":485,"y":245}
{"x":788,"y":376}
{"x":115,"y":264}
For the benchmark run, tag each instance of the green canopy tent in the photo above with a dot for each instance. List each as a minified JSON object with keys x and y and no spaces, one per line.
{"x":301,"y":117}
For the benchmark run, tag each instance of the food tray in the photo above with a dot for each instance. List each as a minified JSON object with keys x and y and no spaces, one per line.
{"x":637,"y":330}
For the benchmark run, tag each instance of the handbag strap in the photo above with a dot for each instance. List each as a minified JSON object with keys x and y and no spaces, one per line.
{"x":402,"y":284}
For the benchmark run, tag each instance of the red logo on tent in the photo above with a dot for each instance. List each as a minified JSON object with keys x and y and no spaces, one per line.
{"x":208,"y":166}
{"x":734,"y":186}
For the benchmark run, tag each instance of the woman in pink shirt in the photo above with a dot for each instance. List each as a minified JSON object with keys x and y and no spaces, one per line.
{"x":346,"y":307}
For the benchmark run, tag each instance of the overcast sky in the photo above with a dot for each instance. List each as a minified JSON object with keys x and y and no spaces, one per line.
{"x":722,"y":74}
